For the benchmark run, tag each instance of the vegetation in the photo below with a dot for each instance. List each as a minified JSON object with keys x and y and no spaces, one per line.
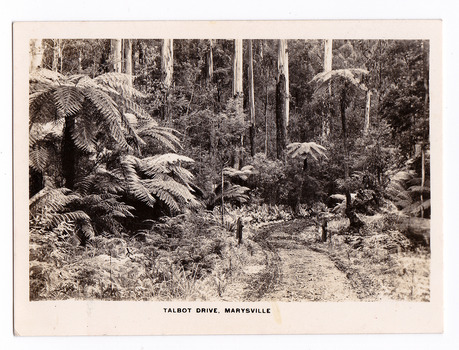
{"x":146,"y":157}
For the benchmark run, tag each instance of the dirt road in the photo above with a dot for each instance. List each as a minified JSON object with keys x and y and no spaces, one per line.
{"x":285,"y":269}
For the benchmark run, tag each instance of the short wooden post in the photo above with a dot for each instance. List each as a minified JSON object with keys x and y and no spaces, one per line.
{"x":324,"y":230}
{"x":239,"y":227}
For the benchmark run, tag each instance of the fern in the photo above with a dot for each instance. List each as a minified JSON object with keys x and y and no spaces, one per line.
{"x":167,"y":181}
{"x":242,"y":174}
{"x":313,"y":149}
{"x":349,"y":74}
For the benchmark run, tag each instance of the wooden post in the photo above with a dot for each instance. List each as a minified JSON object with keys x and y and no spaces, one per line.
{"x":324,"y":230}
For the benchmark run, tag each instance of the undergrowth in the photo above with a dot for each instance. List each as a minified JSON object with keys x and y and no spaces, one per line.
{"x":188,"y":257}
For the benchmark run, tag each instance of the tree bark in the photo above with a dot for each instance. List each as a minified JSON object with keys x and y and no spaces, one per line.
{"x":328,"y":55}
{"x":116,"y":55}
{"x":128,"y":58}
{"x":281,"y":127}
{"x":238,"y":94}
{"x":282,"y":69}
{"x":251,"y":102}
{"x":328,"y":63}
{"x":282,"y":99}
{"x":237,"y":68}
{"x":56,"y":49}
{"x":167,"y":69}
{"x":366,"y":126}
{"x":210,"y":62}
{"x":36,"y":54}
{"x":266,"y":114}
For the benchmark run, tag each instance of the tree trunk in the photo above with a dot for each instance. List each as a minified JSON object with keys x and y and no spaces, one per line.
{"x":210,"y":62}
{"x":128,"y":58}
{"x":282,"y":69}
{"x":366,"y":126}
{"x":237,"y":68}
{"x":328,"y":62}
{"x":281,"y":127}
{"x":266,"y":112}
{"x":167,"y":69}
{"x":282,"y":99}
{"x":56,"y":48}
{"x":116,"y":55}
{"x":354,"y":221}
{"x":80,"y":59}
{"x":423,"y":178}
{"x":36,"y":54}
{"x":223,"y":203}
{"x":251,"y":102}
{"x":328,"y":55}
{"x":238,"y":94}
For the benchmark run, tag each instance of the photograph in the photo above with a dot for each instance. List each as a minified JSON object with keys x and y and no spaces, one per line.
{"x":228,"y":174}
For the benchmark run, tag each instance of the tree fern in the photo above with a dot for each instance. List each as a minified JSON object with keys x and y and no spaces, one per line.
{"x":242,"y":173}
{"x":313,"y":149}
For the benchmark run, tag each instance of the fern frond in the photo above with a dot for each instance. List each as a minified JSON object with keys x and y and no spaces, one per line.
{"x":46,"y":76}
{"x":176,"y":189}
{"x":306,"y":148}
{"x":83,"y":81}
{"x":110,"y":113}
{"x":42,"y":108}
{"x":136,"y":109}
{"x":120,"y":82}
{"x":163,"y":135}
{"x":162,"y":163}
{"x":68,"y":217}
{"x":39,"y":157}
{"x":54,"y":199}
{"x":68,"y":99}
{"x":242,"y":174}
{"x":135,"y":185}
{"x":348,"y":74}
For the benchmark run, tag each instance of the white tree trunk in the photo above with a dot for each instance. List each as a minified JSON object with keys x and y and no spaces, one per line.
{"x":210,"y":62}
{"x":251,"y":101}
{"x":328,"y":55}
{"x":366,"y":126}
{"x":328,"y":63}
{"x":282,"y":68}
{"x":116,"y":55}
{"x":36,"y":54}
{"x":167,"y":62}
{"x":237,"y":68}
{"x":128,"y":58}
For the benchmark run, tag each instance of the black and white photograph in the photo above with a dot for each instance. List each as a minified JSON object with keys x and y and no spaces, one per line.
{"x":230,"y":170}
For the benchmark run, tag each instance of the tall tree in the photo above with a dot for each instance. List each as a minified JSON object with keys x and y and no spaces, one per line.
{"x":282,"y":98}
{"x":128,"y":57}
{"x":237,"y":68}
{"x":210,"y":62}
{"x":116,"y":55}
{"x":36,"y":54}
{"x":366,"y":126}
{"x":238,"y":92}
{"x":251,"y":102}
{"x":167,"y":69}
{"x":328,"y":64}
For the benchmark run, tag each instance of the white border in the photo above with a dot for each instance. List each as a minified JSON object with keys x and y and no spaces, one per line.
{"x":447,"y":10}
